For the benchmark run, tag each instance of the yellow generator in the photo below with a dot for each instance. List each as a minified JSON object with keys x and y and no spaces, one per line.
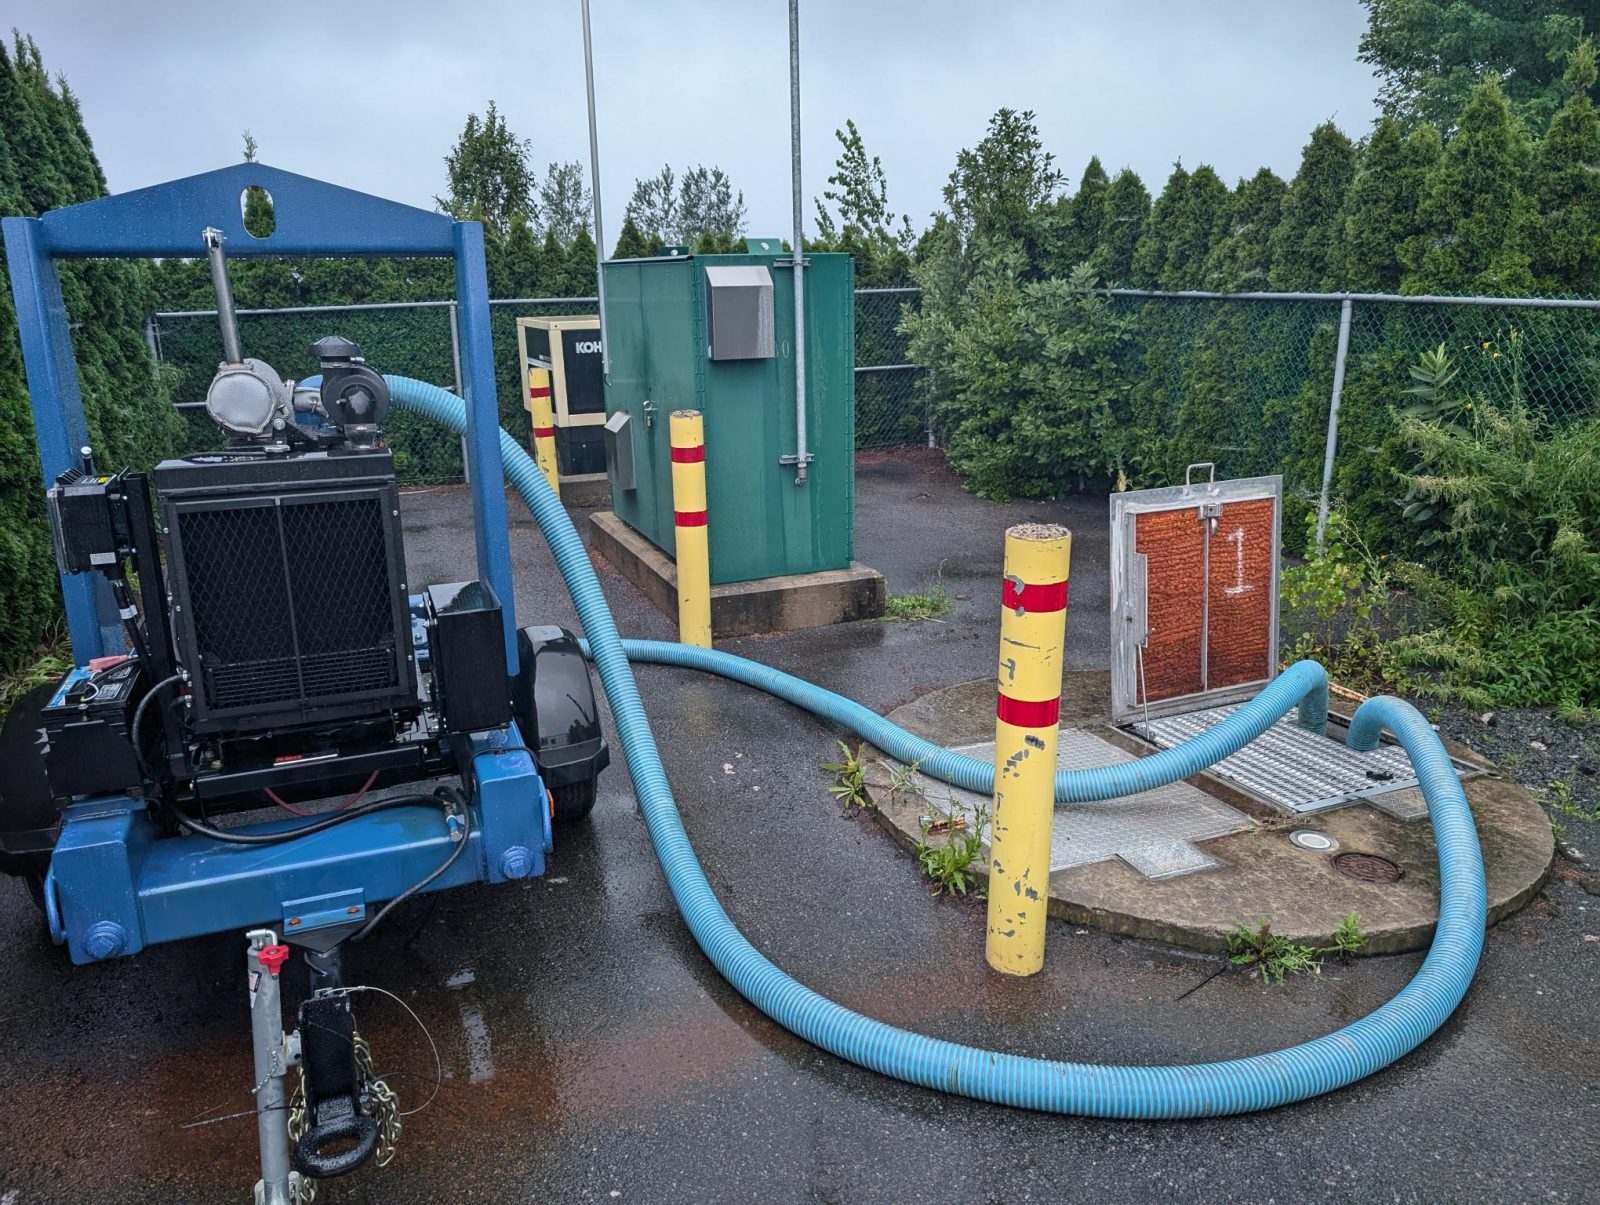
{"x":561,"y":361}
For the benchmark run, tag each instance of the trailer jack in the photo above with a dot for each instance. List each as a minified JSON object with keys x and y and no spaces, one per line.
{"x":342,"y":1114}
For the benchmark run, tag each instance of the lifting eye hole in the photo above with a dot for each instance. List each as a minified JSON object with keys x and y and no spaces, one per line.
{"x":255,"y":207}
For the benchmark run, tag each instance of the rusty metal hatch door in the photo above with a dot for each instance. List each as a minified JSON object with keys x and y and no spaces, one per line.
{"x":1194,"y":593}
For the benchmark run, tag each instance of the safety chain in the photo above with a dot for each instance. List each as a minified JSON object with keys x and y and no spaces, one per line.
{"x":378,"y":1101}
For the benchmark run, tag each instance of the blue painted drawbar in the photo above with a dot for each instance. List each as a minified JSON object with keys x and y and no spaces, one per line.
{"x":117,"y":884}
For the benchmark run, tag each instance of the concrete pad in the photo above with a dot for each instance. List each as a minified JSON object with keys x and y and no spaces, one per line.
{"x":1258,"y":874}
{"x":766,"y":604}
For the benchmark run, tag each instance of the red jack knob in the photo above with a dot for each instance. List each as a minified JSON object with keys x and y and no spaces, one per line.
{"x":273,"y":957}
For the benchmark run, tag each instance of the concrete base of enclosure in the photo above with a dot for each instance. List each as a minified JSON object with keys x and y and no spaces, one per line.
{"x":767,"y":604}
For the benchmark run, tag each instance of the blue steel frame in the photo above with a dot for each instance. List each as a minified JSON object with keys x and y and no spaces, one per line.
{"x":116,"y":883}
{"x":312,"y":218}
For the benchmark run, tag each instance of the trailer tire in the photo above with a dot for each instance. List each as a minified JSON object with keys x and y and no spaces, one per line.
{"x":575,"y":800}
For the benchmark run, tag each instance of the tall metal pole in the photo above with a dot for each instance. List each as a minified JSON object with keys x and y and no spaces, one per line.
{"x":594,"y":185}
{"x":801,"y":457}
{"x":1332,"y":445}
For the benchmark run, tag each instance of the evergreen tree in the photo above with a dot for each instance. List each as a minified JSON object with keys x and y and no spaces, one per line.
{"x":1188,"y":218}
{"x":1127,"y":208}
{"x":1241,"y":259}
{"x":632,"y":244}
{"x":1150,"y":254}
{"x":1380,"y":222}
{"x":22,"y":102}
{"x":490,"y":178}
{"x":1070,"y":229}
{"x":1305,"y":244}
{"x":1478,"y":219}
{"x":1431,"y":53}
{"x":47,"y":161}
{"x":578,"y":269}
{"x":1199,"y":221}
{"x":1086,"y":215}
{"x":522,"y":268}
{"x":1567,"y":187}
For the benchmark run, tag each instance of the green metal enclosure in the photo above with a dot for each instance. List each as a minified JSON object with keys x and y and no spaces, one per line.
{"x":694,"y":332}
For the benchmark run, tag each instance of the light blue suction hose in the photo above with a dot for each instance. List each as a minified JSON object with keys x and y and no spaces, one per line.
{"x":1194,"y":1090}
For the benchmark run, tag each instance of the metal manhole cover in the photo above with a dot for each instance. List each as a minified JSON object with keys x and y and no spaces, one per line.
{"x":1366,"y":868}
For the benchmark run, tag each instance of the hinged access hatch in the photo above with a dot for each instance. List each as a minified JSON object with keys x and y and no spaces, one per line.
{"x":1194,"y":594}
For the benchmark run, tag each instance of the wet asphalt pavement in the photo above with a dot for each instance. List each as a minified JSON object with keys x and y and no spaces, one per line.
{"x":592,"y":1054}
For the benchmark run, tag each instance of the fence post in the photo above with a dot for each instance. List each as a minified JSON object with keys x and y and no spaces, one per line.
{"x":1343,"y":354}
{"x":455,"y":366}
{"x":1033,"y":628}
{"x":691,"y":545}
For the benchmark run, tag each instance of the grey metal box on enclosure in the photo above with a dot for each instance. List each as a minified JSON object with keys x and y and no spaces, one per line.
{"x":619,"y":451}
{"x":739,"y":322}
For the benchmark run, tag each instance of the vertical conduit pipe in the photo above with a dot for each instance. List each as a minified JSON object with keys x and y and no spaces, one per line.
{"x":802,"y":458}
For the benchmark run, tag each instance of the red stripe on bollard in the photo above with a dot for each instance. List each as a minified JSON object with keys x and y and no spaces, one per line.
{"x":1034,"y":599}
{"x":1023,"y":713}
{"x":544,"y":432}
{"x":692,"y":455}
{"x":689,"y":518}
{"x":543,"y":391}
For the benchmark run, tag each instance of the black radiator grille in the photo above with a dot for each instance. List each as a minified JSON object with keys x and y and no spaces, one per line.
{"x":291,"y":601}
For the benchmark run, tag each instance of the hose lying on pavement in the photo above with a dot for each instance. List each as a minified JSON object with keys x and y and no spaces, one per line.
{"x":1193,"y":1090}
{"x":1305,"y":683}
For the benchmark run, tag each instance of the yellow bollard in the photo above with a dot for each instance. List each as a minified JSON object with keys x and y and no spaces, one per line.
{"x":687,"y":432}
{"x":1033,"y":628}
{"x":544,"y":426}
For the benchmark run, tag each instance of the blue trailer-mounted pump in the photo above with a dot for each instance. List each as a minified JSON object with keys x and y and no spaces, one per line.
{"x":274,"y":652}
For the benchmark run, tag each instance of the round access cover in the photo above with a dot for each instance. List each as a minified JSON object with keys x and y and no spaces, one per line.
{"x":1310,"y":839}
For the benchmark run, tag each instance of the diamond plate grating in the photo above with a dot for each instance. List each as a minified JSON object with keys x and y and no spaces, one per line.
{"x":1153,"y":832}
{"x":1299,"y":771}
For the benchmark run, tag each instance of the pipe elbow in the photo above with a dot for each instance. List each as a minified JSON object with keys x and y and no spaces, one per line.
{"x":1312,"y":712}
{"x":1368,"y":723}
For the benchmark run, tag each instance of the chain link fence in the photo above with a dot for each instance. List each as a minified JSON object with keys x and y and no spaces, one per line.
{"x":1247,"y":381}
{"x":891,"y":392}
{"x":418,"y":339}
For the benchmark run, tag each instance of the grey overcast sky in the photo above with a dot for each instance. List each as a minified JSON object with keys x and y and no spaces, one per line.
{"x":371,"y":95}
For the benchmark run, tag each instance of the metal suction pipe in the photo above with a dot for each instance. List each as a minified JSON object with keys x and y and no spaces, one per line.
{"x":232,"y":353}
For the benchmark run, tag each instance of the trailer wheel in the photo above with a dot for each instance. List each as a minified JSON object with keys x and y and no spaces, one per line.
{"x":35,"y":883}
{"x":575,"y":800}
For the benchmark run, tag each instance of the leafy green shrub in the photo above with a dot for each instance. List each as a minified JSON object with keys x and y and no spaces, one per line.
{"x":1035,"y":381}
{"x":1505,"y":515}
{"x":1332,"y":605}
